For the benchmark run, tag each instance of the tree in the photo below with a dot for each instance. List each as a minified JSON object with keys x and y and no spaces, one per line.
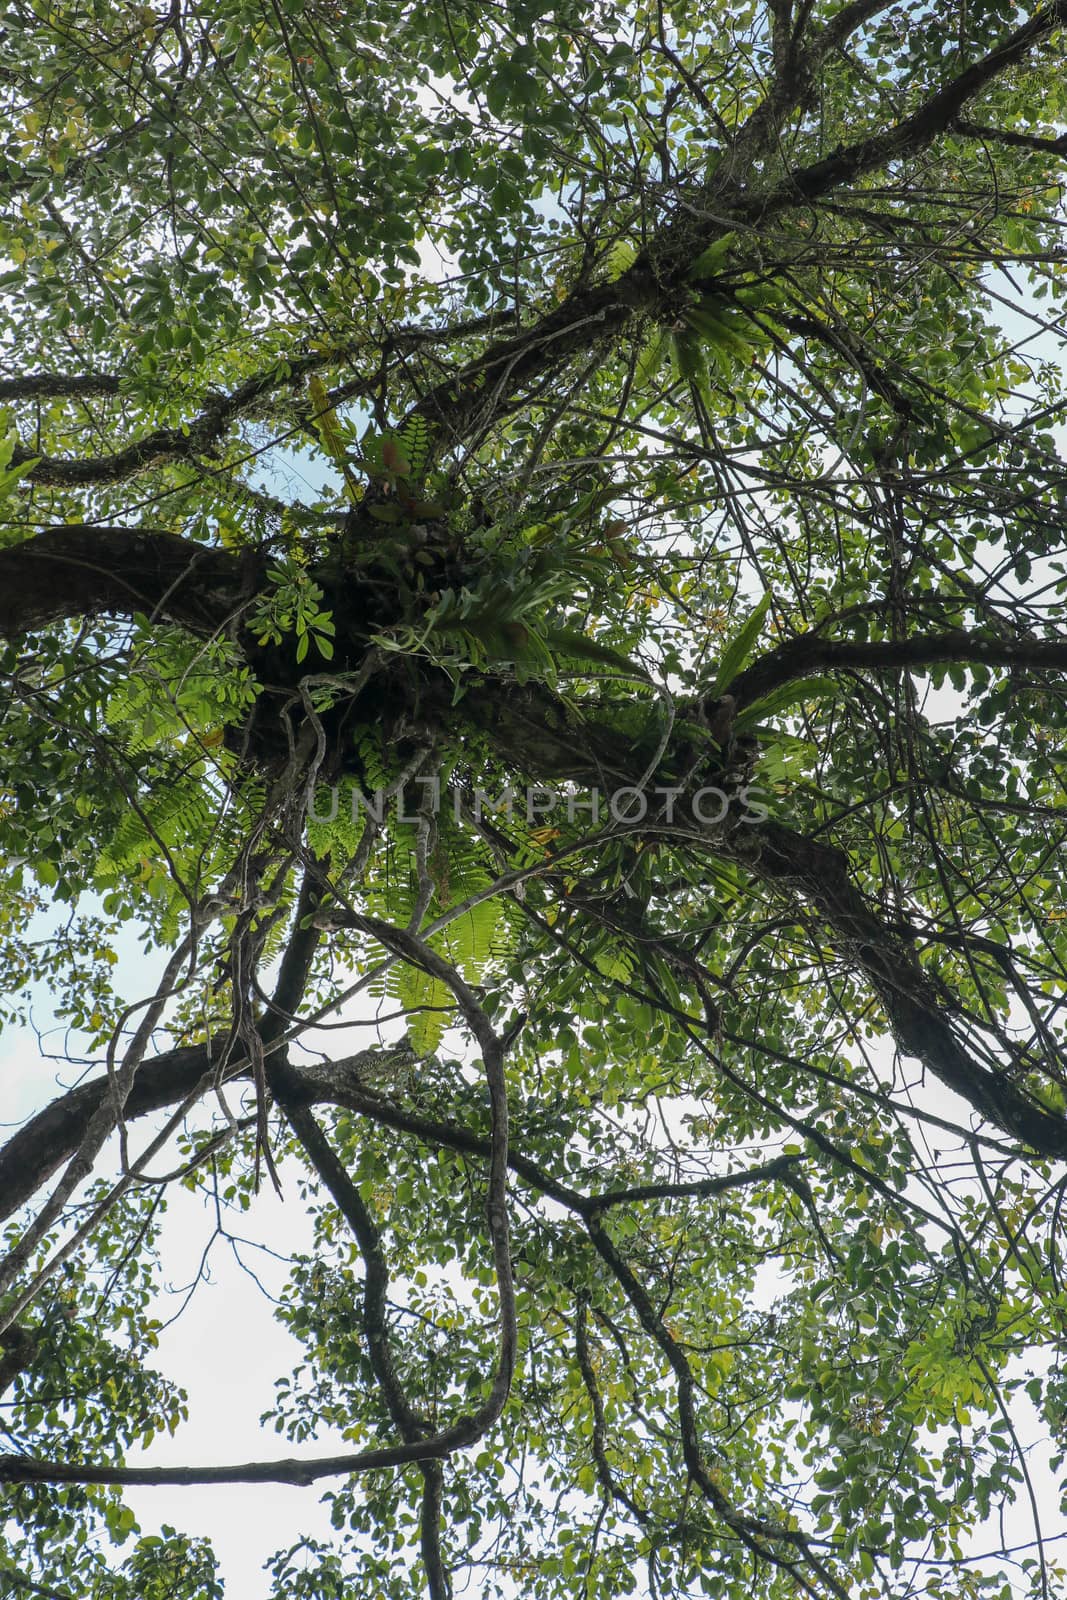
{"x":653,"y":724}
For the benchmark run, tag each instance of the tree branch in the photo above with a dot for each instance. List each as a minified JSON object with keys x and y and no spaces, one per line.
{"x":1020,"y":141}
{"x":198,"y":436}
{"x":59,"y":386}
{"x":208,"y":427}
{"x":82,"y":570}
{"x":468,"y":1429}
{"x":488,"y":386}
{"x":759,"y":1535}
{"x":915,"y":1008}
{"x":913,"y":133}
{"x":813,"y":652}
{"x":37,"y":1150}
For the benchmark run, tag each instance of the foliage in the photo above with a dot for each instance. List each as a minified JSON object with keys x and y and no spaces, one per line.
{"x":649,"y":723}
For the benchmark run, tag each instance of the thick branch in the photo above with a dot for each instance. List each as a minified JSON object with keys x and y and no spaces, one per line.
{"x":353,"y":1208}
{"x":37,"y":1150}
{"x":29,"y":1469}
{"x":81,"y":570}
{"x":210,"y":424}
{"x":917,"y":1010}
{"x":487,"y":387}
{"x":59,"y":386}
{"x":796,"y":64}
{"x":1020,"y":141}
{"x":40,"y":1148}
{"x":205,"y":431}
{"x":912,"y":133}
{"x":915,"y":1007}
{"x":812,"y":653}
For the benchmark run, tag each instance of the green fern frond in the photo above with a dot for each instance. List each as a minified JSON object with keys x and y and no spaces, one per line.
{"x":414,"y":442}
{"x":177,"y":813}
{"x":368,"y":743}
{"x":620,"y":258}
{"x":427,"y":1002}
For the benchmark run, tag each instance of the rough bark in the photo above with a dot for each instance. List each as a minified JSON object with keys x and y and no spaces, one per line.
{"x":81,"y":570}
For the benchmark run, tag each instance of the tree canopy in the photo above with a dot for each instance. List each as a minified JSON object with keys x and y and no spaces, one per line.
{"x":599,"y":835}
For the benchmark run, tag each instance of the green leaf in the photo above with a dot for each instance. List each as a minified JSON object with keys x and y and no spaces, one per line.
{"x":650,"y":358}
{"x":799,"y":692}
{"x":710,"y":260}
{"x":620,"y":259}
{"x":737,"y":652}
{"x":10,"y":476}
